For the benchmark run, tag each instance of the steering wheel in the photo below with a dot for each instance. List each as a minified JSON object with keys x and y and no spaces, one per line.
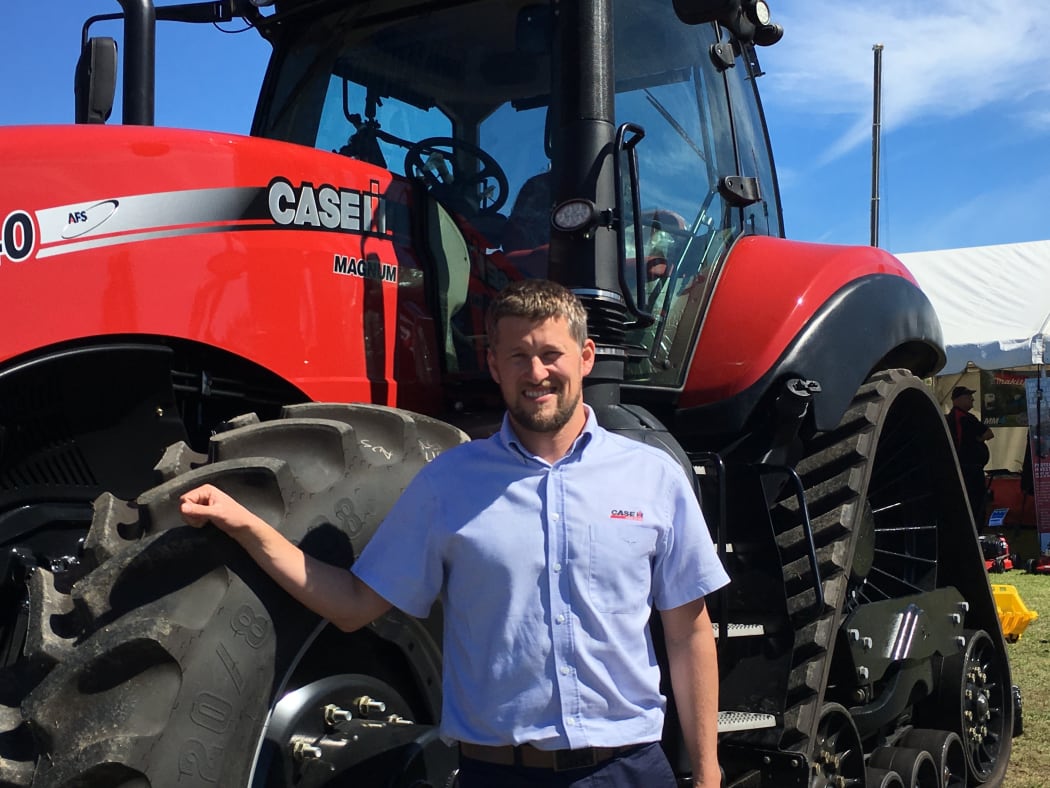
{"x":434,"y":160}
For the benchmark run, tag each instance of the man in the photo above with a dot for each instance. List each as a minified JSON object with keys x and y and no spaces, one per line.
{"x":548,"y":544}
{"x":970,"y":437}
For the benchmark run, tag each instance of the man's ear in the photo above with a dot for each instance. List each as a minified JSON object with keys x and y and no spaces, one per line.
{"x":491,"y":358}
{"x":587,"y":355}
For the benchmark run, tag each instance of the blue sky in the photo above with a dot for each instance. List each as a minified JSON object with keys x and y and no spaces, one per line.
{"x":965,"y":109}
{"x":965,"y":117}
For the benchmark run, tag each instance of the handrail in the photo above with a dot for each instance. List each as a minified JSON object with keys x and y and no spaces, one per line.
{"x":807,"y":525}
{"x":721,"y":535}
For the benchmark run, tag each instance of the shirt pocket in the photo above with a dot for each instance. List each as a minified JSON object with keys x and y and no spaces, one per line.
{"x":620,"y":566}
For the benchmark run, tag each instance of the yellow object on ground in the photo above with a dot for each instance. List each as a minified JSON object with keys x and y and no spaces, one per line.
{"x":1013,"y":615}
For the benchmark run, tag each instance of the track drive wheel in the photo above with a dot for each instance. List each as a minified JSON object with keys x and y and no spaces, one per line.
{"x":975,"y":693}
{"x":175,"y":661}
{"x":838,"y":757}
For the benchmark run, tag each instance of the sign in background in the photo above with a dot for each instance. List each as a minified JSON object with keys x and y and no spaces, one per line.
{"x":1004,"y":402}
{"x":1037,"y":393}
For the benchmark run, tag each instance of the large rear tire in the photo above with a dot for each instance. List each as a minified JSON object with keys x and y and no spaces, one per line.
{"x":175,"y":661}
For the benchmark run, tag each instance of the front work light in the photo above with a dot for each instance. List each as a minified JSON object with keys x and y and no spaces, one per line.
{"x":575,"y":215}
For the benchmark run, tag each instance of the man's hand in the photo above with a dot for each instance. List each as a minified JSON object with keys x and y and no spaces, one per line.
{"x":208,"y":503}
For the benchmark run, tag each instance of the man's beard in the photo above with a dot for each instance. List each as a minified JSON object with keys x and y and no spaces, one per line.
{"x":548,"y":421}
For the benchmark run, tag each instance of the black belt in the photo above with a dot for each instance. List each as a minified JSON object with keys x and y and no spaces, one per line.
{"x":527,"y":755}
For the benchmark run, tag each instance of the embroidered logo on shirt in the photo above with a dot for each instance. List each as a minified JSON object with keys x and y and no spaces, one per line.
{"x":624,"y":514}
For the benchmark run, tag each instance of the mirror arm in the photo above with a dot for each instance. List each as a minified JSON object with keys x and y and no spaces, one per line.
{"x":628,"y":135}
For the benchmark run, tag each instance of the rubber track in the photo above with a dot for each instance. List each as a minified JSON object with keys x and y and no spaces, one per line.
{"x":127,"y":652}
{"x":835,"y":475}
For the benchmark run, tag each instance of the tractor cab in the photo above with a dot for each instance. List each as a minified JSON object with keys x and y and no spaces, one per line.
{"x":487,"y":107}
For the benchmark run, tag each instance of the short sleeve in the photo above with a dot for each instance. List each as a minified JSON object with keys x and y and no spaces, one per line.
{"x":687,"y":567}
{"x":403,"y":561}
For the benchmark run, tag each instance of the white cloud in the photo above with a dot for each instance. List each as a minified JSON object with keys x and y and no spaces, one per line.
{"x":940,"y":61}
{"x":1037,"y":117}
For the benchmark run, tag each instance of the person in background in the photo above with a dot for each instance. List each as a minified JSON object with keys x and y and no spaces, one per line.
{"x":971,"y":438}
{"x":548,"y":544}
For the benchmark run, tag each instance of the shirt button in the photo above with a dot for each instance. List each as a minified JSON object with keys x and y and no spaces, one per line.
{"x":555,"y":516}
{"x":557,"y":567}
{"x":560,"y":619}
{"x":570,"y":722}
{"x":565,"y":671}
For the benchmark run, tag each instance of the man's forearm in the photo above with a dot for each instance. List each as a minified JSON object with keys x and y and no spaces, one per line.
{"x":330,"y":591}
{"x":693,"y":663}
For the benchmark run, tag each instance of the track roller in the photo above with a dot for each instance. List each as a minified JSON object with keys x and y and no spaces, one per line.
{"x":883,"y":778}
{"x":947,"y":751}
{"x":916,"y":767}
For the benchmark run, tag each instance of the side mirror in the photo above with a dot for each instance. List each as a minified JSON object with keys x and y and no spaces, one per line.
{"x":95,"y":82}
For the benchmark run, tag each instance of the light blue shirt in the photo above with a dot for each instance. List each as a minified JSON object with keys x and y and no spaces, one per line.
{"x":547,"y":574}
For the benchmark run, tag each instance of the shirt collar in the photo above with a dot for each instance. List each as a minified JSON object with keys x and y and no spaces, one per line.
{"x":587,"y":435}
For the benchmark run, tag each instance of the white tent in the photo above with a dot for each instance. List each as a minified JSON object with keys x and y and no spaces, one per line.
{"x":993,"y":302}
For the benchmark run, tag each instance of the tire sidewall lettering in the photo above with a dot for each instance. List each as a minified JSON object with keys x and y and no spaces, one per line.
{"x":429,"y":450}
{"x":198,"y":761}
{"x":346,"y":515}
{"x":250,"y":626}
{"x":211,"y":712}
{"x":218,"y":707}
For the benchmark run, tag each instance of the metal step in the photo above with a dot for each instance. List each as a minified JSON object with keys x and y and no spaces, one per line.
{"x":744,"y":721}
{"x":740,"y":630}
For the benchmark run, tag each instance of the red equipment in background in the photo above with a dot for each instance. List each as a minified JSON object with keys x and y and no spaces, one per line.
{"x":997,"y":555}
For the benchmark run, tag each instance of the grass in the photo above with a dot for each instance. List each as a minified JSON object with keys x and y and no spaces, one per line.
{"x":1030,"y":666}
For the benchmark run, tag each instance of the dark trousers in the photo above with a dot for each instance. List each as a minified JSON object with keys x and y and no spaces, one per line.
{"x":976,"y":491}
{"x":644,"y":767}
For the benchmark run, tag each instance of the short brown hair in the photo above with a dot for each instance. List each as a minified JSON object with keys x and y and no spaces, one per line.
{"x":537,"y":299}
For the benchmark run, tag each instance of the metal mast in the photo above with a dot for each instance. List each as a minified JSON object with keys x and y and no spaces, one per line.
{"x":876,"y":130}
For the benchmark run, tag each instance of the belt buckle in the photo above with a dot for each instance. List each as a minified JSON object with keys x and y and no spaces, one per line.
{"x":565,"y":760}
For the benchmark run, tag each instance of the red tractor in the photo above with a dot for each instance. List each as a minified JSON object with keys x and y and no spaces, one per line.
{"x":328,"y":275}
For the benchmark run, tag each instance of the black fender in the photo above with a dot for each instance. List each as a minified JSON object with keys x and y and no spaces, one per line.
{"x":873,"y":323}
{"x":80,"y":420}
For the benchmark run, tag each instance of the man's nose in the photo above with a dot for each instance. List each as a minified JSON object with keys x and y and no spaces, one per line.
{"x":537,"y":369}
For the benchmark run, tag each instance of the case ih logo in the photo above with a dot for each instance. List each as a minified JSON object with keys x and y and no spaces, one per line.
{"x":624,"y":514}
{"x":327,"y":207}
{"x":17,"y":237}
